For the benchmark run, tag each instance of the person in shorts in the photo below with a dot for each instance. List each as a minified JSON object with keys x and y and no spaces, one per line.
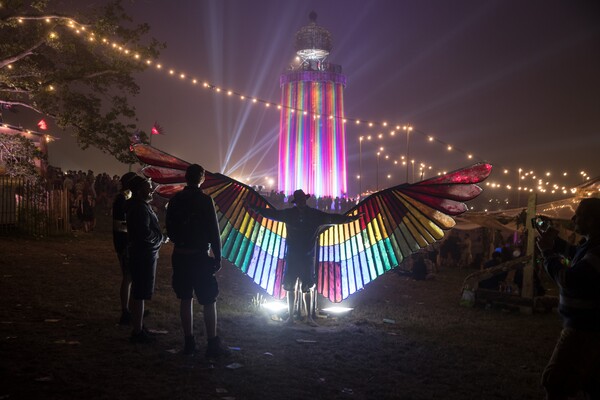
{"x":303,"y":225}
{"x":192,"y":226}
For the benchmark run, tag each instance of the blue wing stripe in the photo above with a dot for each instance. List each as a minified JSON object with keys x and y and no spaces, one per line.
{"x":396,"y":222}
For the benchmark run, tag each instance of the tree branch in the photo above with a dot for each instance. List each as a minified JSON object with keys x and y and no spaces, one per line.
{"x":21,"y":55}
{"x":14,"y":91}
{"x":100,"y":73}
{"x":26,"y":17}
{"x":26,"y":105}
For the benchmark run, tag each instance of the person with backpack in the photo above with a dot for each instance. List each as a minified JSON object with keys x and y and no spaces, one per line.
{"x":192,"y":226}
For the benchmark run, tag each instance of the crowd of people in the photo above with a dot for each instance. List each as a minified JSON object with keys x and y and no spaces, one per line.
{"x":191,"y":220}
{"x":336,"y":204}
{"x":88,"y":193}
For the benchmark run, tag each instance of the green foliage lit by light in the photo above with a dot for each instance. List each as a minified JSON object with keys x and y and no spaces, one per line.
{"x":83,"y":84}
{"x":17,"y":157}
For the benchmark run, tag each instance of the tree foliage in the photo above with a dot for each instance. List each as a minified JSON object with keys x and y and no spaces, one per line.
{"x":18,"y":155}
{"x":56,"y":63}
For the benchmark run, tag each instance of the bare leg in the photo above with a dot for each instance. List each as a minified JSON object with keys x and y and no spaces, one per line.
{"x":124,"y":292}
{"x":298,"y":302}
{"x":137,"y":315}
{"x":291,"y":301}
{"x":313,"y":310}
{"x":186,"y":310}
{"x":302,"y":305}
{"x":309,"y":298}
{"x":210,"y":320}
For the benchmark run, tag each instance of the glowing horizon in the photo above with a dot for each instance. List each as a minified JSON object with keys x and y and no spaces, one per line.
{"x":312,"y":150}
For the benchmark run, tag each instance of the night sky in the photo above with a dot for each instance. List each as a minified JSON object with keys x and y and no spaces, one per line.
{"x":515,"y":83}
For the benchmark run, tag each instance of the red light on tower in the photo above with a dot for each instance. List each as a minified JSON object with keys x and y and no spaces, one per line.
{"x":42,"y":125}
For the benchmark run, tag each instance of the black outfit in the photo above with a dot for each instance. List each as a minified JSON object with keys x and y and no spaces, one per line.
{"x":303,"y":225}
{"x":193,"y":227}
{"x":145,"y":238}
{"x":575,"y":363}
{"x":120,"y":230}
{"x":493,"y":283}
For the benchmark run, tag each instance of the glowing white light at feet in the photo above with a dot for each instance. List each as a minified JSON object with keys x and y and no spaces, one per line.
{"x":275,"y":306}
{"x":337,"y":310}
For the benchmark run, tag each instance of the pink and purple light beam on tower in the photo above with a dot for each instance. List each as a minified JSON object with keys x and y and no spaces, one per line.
{"x":312,"y":136}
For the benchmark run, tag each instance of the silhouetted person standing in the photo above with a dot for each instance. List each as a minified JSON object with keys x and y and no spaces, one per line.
{"x":303,"y":224}
{"x":193,"y":227}
{"x":145,"y":238}
{"x":120,"y":243}
{"x":575,"y":363}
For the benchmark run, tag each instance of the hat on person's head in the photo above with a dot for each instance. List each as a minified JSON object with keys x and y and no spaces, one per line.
{"x":194,"y":173}
{"x":136,"y":182}
{"x":299,"y":194}
{"x":126,"y":178}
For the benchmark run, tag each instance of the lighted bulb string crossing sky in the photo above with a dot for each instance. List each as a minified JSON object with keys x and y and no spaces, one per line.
{"x":436,"y":157}
{"x":423,"y":167}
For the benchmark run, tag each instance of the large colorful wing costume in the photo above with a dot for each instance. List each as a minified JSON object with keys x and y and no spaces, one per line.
{"x":395,"y":223}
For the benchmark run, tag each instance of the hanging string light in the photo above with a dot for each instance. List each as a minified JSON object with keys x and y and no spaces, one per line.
{"x":392,"y":130}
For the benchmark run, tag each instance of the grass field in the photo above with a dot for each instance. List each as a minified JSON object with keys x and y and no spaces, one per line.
{"x":59,"y":338}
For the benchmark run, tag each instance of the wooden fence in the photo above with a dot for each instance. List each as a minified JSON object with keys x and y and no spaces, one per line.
{"x":32,"y":210}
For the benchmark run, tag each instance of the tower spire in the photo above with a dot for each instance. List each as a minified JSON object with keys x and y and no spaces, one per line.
{"x":313,"y":42}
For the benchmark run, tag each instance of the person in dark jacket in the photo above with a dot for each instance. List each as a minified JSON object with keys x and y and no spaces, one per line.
{"x":575,"y":363}
{"x":145,"y":238}
{"x":119,"y":231}
{"x":192,"y":226}
{"x":303,"y":225}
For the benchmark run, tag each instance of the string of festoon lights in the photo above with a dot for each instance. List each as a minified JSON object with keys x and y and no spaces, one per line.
{"x":525,"y":180}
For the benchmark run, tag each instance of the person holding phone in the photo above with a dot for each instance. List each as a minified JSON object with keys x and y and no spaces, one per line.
{"x":574,"y":366}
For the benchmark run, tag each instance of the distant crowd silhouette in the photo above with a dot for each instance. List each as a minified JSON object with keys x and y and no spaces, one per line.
{"x":88,"y":193}
{"x":326,"y":203}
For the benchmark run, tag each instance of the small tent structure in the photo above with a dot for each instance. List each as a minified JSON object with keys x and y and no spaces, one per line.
{"x":506,"y":221}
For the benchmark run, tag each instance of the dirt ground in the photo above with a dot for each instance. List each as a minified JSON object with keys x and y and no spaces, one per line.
{"x":404,"y":339}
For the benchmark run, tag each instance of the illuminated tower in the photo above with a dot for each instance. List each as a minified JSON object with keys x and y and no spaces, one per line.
{"x":312,"y":136}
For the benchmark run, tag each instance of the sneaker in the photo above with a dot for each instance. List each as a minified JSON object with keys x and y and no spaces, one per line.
{"x":141,"y":337}
{"x":216,"y":349}
{"x":125,"y":318}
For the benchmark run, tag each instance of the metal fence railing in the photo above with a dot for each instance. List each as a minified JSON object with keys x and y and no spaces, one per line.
{"x":30,"y":209}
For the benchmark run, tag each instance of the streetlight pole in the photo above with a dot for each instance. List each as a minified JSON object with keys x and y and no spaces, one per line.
{"x":518,"y":190}
{"x":407,"y":129}
{"x":377,"y":172}
{"x":360,"y":175}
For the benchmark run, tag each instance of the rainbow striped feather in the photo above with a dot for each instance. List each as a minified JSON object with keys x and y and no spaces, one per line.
{"x":396,"y":222}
